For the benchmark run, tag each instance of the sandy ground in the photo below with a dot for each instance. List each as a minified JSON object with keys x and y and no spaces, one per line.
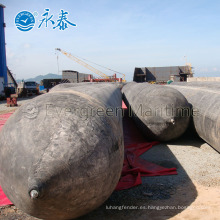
{"x":192,"y":194}
{"x":205,"y":206}
{"x":4,"y":109}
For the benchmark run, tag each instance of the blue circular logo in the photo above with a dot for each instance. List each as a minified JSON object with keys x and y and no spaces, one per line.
{"x":24,"y":21}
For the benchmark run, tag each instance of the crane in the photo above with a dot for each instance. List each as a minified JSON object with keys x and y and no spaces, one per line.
{"x":94,"y":70}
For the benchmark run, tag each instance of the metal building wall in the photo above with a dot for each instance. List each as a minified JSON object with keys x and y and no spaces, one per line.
{"x":159,"y":74}
{"x":162,"y":74}
{"x":3,"y":68}
{"x":72,"y":76}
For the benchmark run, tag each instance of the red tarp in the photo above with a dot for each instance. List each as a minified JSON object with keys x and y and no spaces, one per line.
{"x":3,"y":199}
{"x":4,"y":118}
{"x":134,"y":167}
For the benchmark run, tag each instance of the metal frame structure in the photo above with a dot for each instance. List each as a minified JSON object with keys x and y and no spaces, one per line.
{"x":104,"y":77}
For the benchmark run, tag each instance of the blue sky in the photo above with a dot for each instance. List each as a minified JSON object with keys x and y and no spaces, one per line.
{"x":119,"y":34}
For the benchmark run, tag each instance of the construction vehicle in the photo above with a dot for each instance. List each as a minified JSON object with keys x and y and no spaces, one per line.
{"x":102,"y":76}
{"x":27,"y":88}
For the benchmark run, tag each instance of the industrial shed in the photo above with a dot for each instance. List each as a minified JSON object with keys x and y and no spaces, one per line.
{"x":74,"y":76}
{"x":162,"y":74}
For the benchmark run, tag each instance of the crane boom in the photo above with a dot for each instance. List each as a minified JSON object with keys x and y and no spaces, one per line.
{"x":83,"y":63}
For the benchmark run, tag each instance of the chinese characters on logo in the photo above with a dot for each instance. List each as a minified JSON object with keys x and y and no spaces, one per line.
{"x":61,"y":23}
{"x":45,"y":18}
{"x":25,"y":20}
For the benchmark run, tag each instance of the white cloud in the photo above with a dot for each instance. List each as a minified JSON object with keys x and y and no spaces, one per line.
{"x":26,"y":45}
{"x":9,"y":53}
{"x":204,"y":70}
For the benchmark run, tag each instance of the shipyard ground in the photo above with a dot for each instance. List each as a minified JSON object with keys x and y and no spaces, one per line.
{"x":192,"y":194}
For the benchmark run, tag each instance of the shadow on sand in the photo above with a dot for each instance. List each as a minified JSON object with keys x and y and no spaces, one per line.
{"x":159,"y":197}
